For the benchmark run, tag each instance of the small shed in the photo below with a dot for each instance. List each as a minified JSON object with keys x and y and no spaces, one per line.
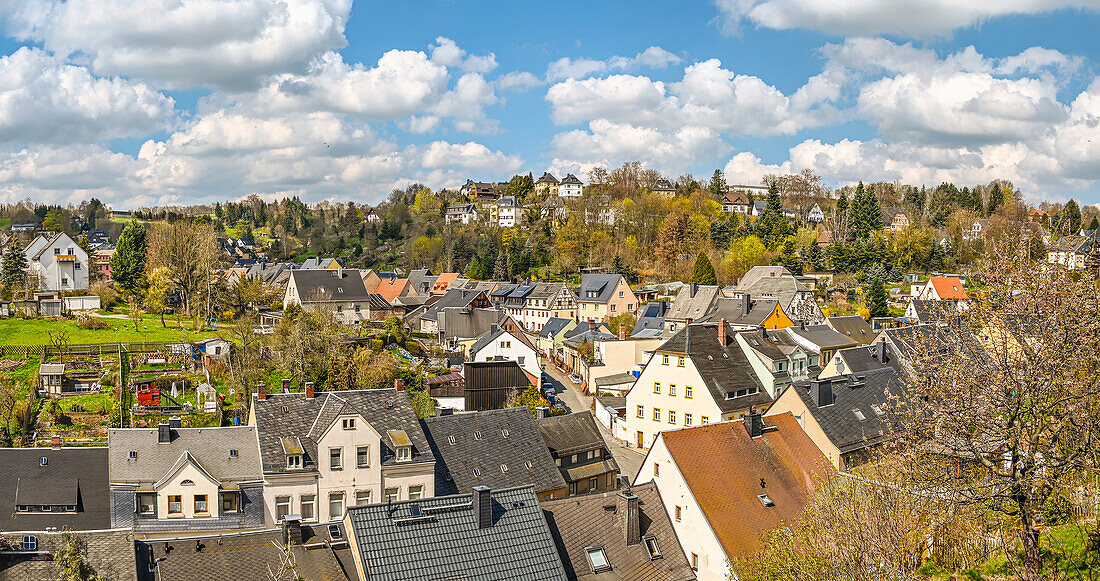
{"x":51,"y":377}
{"x":214,"y":347}
{"x":85,"y":303}
{"x":5,"y":308}
{"x":208,"y":397}
{"x":50,"y":307}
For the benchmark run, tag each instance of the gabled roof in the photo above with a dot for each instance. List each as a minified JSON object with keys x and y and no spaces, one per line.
{"x":454,"y":297}
{"x":546,"y":290}
{"x":733,"y":310}
{"x":309,"y":418}
{"x":438,"y":538}
{"x":593,"y":520}
{"x":79,"y":470}
{"x":547,"y":178}
{"x":444,"y":281}
{"x":822,"y":336}
{"x":508,"y":202}
{"x":461,"y":323}
{"x":603,"y":285}
{"x":866,"y":358}
{"x":650,"y":317}
{"x":724,"y":468}
{"x":737,"y":198}
{"x":206,"y":447}
{"x":694,"y":302}
{"x":870,"y":393}
{"x":391,"y":288}
{"x":571,"y":434}
{"x":571,"y":179}
{"x":491,"y":448}
{"x":928,"y":311}
{"x":724,"y":368}
{"x":949,"y":288}
{"x":109,"y":552}
{"x":853,"y":326}
{"x":553,"y":326}
{"x":335,"y":284}
{"x":494,"y":333}
{"x":772,"y":282}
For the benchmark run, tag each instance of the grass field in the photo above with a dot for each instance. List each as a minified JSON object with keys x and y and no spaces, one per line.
{"x":5,"y":223}
{"x":35,"y":331}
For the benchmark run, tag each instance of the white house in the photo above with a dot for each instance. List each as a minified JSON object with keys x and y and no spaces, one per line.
{"x":815,"y":214}
{"x":60,"y":262}
{"x":501,"y":345}
{"x":461,"y":214}
{"x":508,"y":212}
{"x":570,"y":187}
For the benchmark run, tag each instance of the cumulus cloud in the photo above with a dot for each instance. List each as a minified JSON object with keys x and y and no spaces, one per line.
{"x":447,"y":53}
{"x":44,"y":100}
{"x":610,"y":143}
{"x":914,"y":18}
{"x":518,"y":80}
{"x":226,"y":44}
{"x":653,"y":57}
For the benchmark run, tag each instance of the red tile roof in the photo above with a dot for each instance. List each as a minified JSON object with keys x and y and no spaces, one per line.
{"x":949,"y":288}
{"x":724,"y":468}
{"x":391,"y":288}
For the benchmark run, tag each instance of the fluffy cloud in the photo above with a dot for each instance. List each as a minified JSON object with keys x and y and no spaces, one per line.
{"x":43,"y":100}
{"x":448,"y":54}
{"x":518,"y":80}
{"x":653,"y":57}
{"x":608,"y":143}
{"x":915,"y":18}
{"x":228,"y":44}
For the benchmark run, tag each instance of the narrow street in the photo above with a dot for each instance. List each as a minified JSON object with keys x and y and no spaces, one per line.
{"x":569,"y":393}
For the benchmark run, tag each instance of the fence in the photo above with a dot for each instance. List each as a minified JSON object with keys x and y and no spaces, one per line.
{"x":49,"y":351}
{"x":19,"y":351}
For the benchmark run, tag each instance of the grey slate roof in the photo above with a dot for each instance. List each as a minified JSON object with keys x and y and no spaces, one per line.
{"x":823,"y":336}
{"x":209,"y":447}
{"x":732,"y":310}
{"x":694,"y":302}
{"x":592,"y":520}
{"x":421,"y":280}
{"x":570,"y":179}
{"x":337,"y":284}
{"x":306,"y":419}
{"x":928,"y":311}
{"x":853,"y":326}
{"x":553,"y":326}
{"x":460,"y":323}
{"x":548,"y":178}
{"x":486,"y":340}
{"x":445,"y":543}
{"x":454,"y":297}
{"x":870,"y":393}
{"x":597,"y":288}
{"x":650,"y":317}
{"x":615,"y":379}
{"x":82,"y":468}
{"x":772,"y":282}
{"x":522,"y":444}
{"x":248,"y":557}
{"x":865,"y":358}
{"x":109,"y":552}
{"x":724,"y":368}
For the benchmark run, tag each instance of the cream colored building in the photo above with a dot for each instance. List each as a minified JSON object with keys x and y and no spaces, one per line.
{"x":602,"y":296}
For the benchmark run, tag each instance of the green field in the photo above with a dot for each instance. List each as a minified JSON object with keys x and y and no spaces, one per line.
{"x":5,"y":223}
{"x":34,"y":331}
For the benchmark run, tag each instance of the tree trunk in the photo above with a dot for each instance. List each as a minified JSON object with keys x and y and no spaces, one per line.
{"x":1033,"y":557}
{"x":162,"y":323}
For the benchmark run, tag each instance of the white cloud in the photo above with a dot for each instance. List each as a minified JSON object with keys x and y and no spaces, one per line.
{"x":43,"y":100}
{"x":914,"y":18}
{"x":653,"y":57}
{"x":518,"y":80}
{"x":610,"y":143}
{"x":618,"y":97}
{"x":445,"y":52}
{"x":465,"y":104}
{"x":567,"y":68}
{"x":228,"y":44}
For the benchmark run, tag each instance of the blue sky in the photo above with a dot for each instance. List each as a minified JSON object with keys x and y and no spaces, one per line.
{"x":176,"y":101}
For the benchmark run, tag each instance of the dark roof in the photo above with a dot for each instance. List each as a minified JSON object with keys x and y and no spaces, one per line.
{"x":733,"y":310}
{"x":693,"y":302}
{"x":462,"y":323}
{"x":865,"y":358}
{"x":249,"y":556}
{"x":928,"y":311}
{"x":207,"y":447}
{"x":724,"y":368}
{"x":571,"y":434}
{"x":80,"y":470}
{"x":109,"y":552}
{"x":494,"y":375}
{"x":651,"y":316}
{"x":588,"y":329}
{"x":553,"y":326}
{"x":548,"y":178}
{"x":593,"y":520}
{"x":823,"y":336}
{"x":615,"y":379}
{"x":488,"y":338}
{"x":454,"y":297}
{"x":600,"y":286}
{"x":336,"y":284}
{"x":853,"y":326}
{"x":570,"y":179}
{"x":508,"y":438}
{"x":869,"y":393}
{"x":438,"y":538}
{"x":308,"y":418}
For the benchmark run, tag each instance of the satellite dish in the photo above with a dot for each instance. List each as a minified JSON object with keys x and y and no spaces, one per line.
{"x":840,"y":366}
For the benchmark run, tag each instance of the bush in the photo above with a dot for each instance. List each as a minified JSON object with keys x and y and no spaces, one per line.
{"x":86,"y":322}
{"x":107,"y":294}
{"x":413,"y":347}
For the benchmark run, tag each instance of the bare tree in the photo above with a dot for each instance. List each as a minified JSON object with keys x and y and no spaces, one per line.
{"x":189,"y":250}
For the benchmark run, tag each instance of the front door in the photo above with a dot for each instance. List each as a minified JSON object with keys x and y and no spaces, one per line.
{"x":640,"y":440}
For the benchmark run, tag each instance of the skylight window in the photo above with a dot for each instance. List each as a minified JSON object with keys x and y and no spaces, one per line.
{"x":133,"y":454}
{"x":450,"y":439}
{"x":504,"y":432}
{"x":527,"y":464}
{"x":653,"y":548}
{"x":503,"y":468}
{"x":766,"y":500}
{"x":878,"y":410}
{"x":477,"y":435}
{"x":598,"y":559}
{"x":859,"y":414}
{"x":30,"y":543}
{"x":477,"y":473}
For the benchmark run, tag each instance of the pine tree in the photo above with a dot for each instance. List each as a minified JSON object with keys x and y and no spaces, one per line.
{"x":866,"y":212}
{"x":772,"y":225}
{"x":877,"y":298}
{"x":717,"y":183}
{"x":128,"y":261}
{"x":1071,"y":218}
{"x":1095,"y":224}
{"x":703,"y":271}
{"x":790,"y":258}
{"x":13,"y":271}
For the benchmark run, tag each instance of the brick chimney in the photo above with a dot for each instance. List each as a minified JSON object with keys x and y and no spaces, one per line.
{"x":261,"y":391}
{"x":883,"y":356}
{"x":309,"y":390}
{"x":286,"y":385}
{"x":754,"y":424}
{"x":722,"y":331}
{"x":399,"y":384}
{"x":692,"y":289}
{"x":541,"y":412}
{"x":622,"y":332}
{"x":822,"y":392}
{"x":626,"y":507}
{"x":292,"y":530}
{"x":483,"y":507}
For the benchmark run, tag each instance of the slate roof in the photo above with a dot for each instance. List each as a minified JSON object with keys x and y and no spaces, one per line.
{"x":588,"y":328}
{"x":616,"y":379}
{"x":772,"y":282}
{"x":84,"y":469}
{"x":571,"y":434}
{"x":459,"y":323}
{"x":454,"y":297}
{"x":444,"y":542}
{"x":928,"y":311}
{"x":732,"y":310}
{"x":553,"y":326}
{"x":546,"y":290}
{"x":853,"y":326}
{"x":523,"y":443}
{"x":109,"y":552}
{"x":421,"y":279}
{"x":248,"y":556}
{"x":307,"y":419}
{"x":694,"y":304}
{"x":650,"y":317}
{"x":603,"y":285}
{"x":208,"y":447}
{"x":724,"y":368}
{"x":865,"y":358}
{"x":547,"y":178}
{"x":822,"y":336}
{"x":488,"y":338}
{"x":723,"y":467}
{"x":571,"y":179}
{"x":869,"y":393}
{"x":592,"y":520}
{"x":348,"y":288}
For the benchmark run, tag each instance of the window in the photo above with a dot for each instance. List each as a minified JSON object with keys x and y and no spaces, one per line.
{"x":293,"y":462}
{"x":664,"y":360}
{"x":656,"y":387}
{"x":520,"y":360}
{"x":76,"y":266}
{"x":503,"y":468}
{"x":656,"y":469}
{"x":598,"y":559}
{"x":336,"y":458}
{"x":527,"y":463}
{"x":477,"y":435}
{"x":175,"y":504}
{"x":878,"y":410}
{"x":146,"y":503}
{"x":187,"y":482}
{"x":362,"y":457}
{"x":416,"y":492}
{"x":672,"y":389}
{"x":694,"y":562}
{"x":348,"y":423}
{"x":687,"y":392}
{"x":641,"y":412}
{"x":133,"y":454}
{"x":335,"y":505}
{"x":672,"y":416}
{"x":450,"y":439}
{"x":656,"y":414}
{"x":200,"y":503}
{"x":620,"y":294}
{"x":572,"y":488}
{"x":391,"y":494}
{"x":653,"y":548}
{"x":593,"y":483}
{"x":233,"y":453}
{"x":859,"y":414}
{"x":766,"y":500}
{"x":64,"y":280}
{"x":613,"y":308}
{"x":309,"y":507}
{"x":30,"y":543}
{"x":282,"y":507}
{"x":679,"y":362}
{"x":678,"y":513}
{"x":362,"y":497}
{"x":230,"y":502}
{"x":504,"y":432}
{"x":404,"y":453}
{"x":704,"y":420}
{"x":477,"y":473}
{"x":57,"y":252}
{"x":687,"y":419}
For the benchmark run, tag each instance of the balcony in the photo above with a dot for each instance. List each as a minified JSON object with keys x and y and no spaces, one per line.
{"x":65,"y":257}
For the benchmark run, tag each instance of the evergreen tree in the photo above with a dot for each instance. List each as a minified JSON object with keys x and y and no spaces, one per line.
{"x":703,"y":271}
{"x":13,"y":271}
{"x":877,"y":298}
{"x":93,"y":261}
{"x":772,"y":225}
{"x":717,"y":183}
{"x":1071,"y":218}
{"x":1095,"y":224}
{"x":842,"y":204}
{"x":790,"y":258}
{"x":128,"y":261}
{"x":866,"y":212}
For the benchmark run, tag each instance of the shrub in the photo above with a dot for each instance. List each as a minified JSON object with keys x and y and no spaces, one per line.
{"x":107,"y":294}
{"x":86,"y":322}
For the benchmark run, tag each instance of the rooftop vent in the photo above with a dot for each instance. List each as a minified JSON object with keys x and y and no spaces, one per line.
{"x":766,"y":500}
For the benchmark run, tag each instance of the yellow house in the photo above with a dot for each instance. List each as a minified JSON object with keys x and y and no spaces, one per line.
{"x":602,"y":296}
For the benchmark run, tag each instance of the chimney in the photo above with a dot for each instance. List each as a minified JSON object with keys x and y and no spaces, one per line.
{"x":175,"y":422}
{"x":754,"y":424}
{"x":292,"y":529}
{"x":309,"y":390}
{"x":261,"y":391}
{"x":286,"y":385}
{"x":746,"y":304}
{"x":446,"y":411}
{"x":722,"y":331}
{"x":883,"y":356}
{"x":627,"y":509}
{"x":622,"y":332}
{"x":164,"y":433}
{"x":399,"y":384}
{"x":822,"y":392}
{"x":692,"y":288}
{"x":56,"y":442}
{"x":541,"y":412}
{"x":483,"y":507}
{"x":763,"y":332}
{"x":802,"y":325}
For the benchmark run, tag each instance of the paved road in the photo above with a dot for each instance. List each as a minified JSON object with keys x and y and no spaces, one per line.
{"x":569,"y":393}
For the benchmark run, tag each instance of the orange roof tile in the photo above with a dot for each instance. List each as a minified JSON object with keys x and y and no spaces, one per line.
{"x":949,"y":288}
{"x":443,"y":281}
{"x":391,"y":288}
{"x":724,"y":469}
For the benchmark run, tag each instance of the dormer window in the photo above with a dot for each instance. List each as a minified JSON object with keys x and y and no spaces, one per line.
{"x":404,"y":453}
{"x":294,"y":462}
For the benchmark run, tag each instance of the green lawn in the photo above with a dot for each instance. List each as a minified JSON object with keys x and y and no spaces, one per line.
{"x":5,"y":223}
{"x":34,"y":331}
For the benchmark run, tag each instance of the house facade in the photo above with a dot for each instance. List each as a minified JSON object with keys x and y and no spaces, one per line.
{"x":570,"y":187}
{"x":547,"y":185}
{"x":502,"y":345}
{"x":535,"y":304}
{"x":60,"y":263}
{"x":461,"y":214}
{"x":602,"y":296}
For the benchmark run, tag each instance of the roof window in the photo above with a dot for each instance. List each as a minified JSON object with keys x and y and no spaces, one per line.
{"x":653,"y":548}
{"x":450,"y":439}
{"x":503,"y":468}
{"x":30,"y":543}
{"x":859,"y":414}
{"x":477,"y":473}
{"x":477,"y":435}
{"x":766,"y":500}
{"x":598,"y":559}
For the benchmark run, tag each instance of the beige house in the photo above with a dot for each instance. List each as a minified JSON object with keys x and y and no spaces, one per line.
{"x":602,"y":296}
